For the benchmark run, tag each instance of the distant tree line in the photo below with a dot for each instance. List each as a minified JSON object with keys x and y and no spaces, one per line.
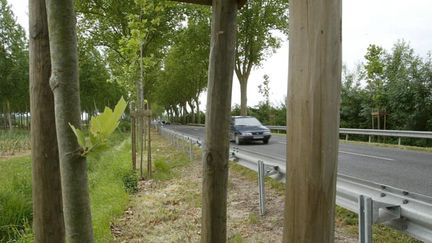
{"x":395,"y":84}
{"x":96,"y":89}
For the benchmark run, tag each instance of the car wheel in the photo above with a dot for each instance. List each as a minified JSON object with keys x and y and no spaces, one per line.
{"x":237,"y":140}
{"x":265,"y":141}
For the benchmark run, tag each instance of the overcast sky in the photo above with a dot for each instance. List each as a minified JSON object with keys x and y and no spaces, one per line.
{"x":365,"y":22}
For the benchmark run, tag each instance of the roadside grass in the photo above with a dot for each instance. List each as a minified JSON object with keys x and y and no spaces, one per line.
{"x":15,"y":197}
{"x":110,"y":178}
{"x":388,"y":145}
{"x":14,"y":142}
{"x":167,"y":206}
{"x":109,"y":197}
{"x":345,"y":219}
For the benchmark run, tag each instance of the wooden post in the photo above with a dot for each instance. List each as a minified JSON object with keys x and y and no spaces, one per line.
{"x":133,"y":135}
{"x":313,"y":120}
{"x":215,"y":159}
{"x":149,"y":159}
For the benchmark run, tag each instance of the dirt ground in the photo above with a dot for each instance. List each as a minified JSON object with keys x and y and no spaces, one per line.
{"x":170,"y":211}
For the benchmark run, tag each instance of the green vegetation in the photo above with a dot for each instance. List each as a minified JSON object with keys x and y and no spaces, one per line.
{"x":110,"y":179}
{"x":15,"y":197}
{"x":399,"y":88}
{"x":14,"y":142}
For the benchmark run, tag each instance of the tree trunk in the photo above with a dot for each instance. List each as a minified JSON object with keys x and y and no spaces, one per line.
{"x":243,"y":95}
{"x":9,"y":116}
{"x":64,"y":84}
{"x":215,"y":159}
{"x":198,"y":115}
{"x":48,"y":222}
{"x":192,"y":111}
{"x":313,"y":120}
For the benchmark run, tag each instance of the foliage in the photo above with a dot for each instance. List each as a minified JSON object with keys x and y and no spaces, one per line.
{"x":13,"y":62}
{"x":96,"y":88}
{"x":107,"y":191}
{"x":398,"y":82}
{"x":258,"y":23}
{"x":101,"y":127}
{"x":185,"y":67}
{"x":130,"y":181}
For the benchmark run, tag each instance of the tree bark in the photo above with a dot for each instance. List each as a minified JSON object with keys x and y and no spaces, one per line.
{"x":65,"y":86}
{"x":215,"y":159}
{"x":312,"y":120}
{"x":198,"y":117}
{"x":9,"y":115}
{"x":48,"y":222}
{"x":243,"y":96}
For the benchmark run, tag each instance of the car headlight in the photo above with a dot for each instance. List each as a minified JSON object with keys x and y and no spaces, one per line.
{"x":267,"y":133}
{"x":246,"y":134}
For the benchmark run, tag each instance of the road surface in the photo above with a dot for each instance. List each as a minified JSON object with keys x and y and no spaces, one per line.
{"x":403,"y":169}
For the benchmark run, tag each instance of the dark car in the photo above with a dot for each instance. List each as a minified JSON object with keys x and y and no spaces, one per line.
{"x":247,"y":129}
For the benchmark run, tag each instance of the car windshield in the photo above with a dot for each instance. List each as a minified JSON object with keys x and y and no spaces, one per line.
{"x":246,"y":121}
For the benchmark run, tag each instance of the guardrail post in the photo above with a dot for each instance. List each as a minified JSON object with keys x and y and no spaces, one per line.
{"x":399,"y":141}
{"x":346,"y":137}
{"x":370,"y":138}
{"x":261,"y":186}
{"x":365,"y":219}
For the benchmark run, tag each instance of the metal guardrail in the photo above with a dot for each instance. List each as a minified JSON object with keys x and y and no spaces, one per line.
{"x":374,"y":132}
{"x":367,"y":132}
{"x":374,"y":203}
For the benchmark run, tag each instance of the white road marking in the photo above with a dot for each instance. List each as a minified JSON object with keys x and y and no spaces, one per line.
{"x":366,"y":155}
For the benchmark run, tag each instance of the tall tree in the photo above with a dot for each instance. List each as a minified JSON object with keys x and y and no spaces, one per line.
{"x":48,"y":222}
{"x":13,"y":63}
{"x":257,"y":38}
{"x":185,"y":67}
{"x":65,"y":86}
{"x":406,"y":88}
{"x":355,"y":110}
{"x":375,"y":78}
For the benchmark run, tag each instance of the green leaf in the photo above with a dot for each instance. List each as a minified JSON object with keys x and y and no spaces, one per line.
{"x":101,"y":127}
{"x":79,"y":135}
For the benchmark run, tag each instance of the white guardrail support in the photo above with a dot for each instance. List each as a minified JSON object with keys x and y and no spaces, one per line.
{"x":408,"y":212}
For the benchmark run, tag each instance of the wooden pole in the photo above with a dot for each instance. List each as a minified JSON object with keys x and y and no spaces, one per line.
{"x":215,"y":159}
{"x":313,"y":120}
{"x":149,"y":160}
{"x":133,"y":135}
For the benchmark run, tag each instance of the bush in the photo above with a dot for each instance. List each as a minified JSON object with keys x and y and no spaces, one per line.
{"x":130,"y":181}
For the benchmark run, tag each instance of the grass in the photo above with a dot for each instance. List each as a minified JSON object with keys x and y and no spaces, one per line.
{"x":14,"y":142}
{"x":108,"y":190}
{"x":110,"y":178}
{"x":345,"y":219}
{"x":15,"y":197}
{"x":388,"y":145}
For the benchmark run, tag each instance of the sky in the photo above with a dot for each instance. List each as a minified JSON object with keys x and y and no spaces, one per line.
{"x":380,"y":22}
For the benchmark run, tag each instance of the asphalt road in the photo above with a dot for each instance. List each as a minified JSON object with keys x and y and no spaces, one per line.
{"x":403,"y":169}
